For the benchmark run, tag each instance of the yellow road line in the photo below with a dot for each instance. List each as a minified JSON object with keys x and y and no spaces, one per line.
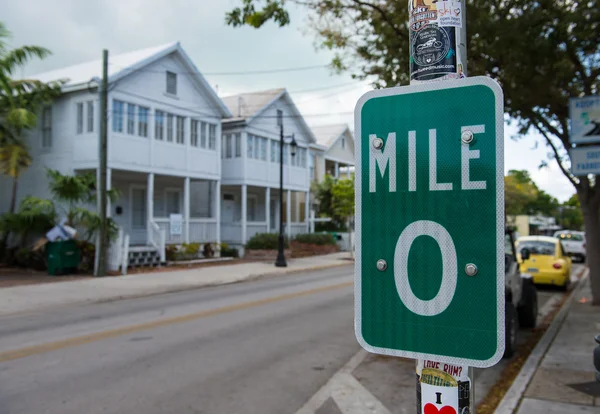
{"x":86,"y":339}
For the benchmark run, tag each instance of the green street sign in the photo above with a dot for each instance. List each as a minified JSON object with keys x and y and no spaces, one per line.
{"x":429,"y":270}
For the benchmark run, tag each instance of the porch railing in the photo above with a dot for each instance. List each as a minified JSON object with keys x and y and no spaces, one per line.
{"x":157,"y":238}
{"x":231,"y":232}
{"x":201,"y":230}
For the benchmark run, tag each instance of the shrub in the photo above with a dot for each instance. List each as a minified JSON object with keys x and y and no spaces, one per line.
{"x":265,"y":241}
{"x":171,"y":252}
{"x":321,"y":239}
{"x":227,"y":251}
{"x":190,"y":248}
{"x":27,"y":258}
{"x":88,"y":253}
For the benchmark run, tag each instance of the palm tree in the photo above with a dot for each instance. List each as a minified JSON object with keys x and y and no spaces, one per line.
{"x":20,"y":100}
{"x":75,"y":190}
{"x":14,"y":158}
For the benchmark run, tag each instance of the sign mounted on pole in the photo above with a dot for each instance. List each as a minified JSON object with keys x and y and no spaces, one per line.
{"x":585,"y":160}
{"x":429,"y":279}
{"x":585,"y":120}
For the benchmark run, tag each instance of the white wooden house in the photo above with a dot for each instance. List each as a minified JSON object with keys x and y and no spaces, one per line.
{"x":164,"y":125}
{"x":334,"y":150}
{"x":250,"y":172}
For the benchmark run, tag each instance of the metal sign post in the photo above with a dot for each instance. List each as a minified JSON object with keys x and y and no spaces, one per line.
{"x":429,"y":272}
{"x":445,"y":58}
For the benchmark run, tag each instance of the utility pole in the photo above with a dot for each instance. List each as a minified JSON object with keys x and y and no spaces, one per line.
{"x":102,"y":168}
{"x":280,"y":261}
{"x":438,"y":51}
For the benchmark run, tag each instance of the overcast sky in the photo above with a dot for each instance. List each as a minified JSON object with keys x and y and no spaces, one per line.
{"x":78,"y":30}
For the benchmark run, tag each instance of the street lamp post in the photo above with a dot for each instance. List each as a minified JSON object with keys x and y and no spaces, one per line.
{"x":280,"y":262}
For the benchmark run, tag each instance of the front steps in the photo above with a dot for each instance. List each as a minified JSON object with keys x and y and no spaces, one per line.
{"x":143,"y":256}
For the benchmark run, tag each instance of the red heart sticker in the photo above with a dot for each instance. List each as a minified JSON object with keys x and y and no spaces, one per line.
{"x":432,"y":409}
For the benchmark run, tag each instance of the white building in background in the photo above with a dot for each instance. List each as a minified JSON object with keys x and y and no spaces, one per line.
{"x":334,"y":152}
{"x":250,"y":166}
{"x":164,"y":129}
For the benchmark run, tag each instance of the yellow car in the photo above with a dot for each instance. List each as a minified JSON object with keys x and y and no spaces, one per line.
{"x":544,"y":258}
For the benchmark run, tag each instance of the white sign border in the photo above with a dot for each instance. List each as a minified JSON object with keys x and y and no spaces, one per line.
{"x":358,"y":136}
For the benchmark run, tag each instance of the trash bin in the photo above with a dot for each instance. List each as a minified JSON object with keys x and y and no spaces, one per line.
{"x":63,"y":257}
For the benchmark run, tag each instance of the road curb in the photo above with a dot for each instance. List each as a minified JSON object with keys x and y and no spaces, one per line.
{"x":513,"y":396}
{"x":172,"y":289}
{"x":293,"y":271}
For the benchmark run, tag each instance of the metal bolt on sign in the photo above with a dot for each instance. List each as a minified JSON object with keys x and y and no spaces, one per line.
{"x":377,"y":143}
{"x":471,"y":269}
{"x":467,"y":137}
{"x":381,"y":265}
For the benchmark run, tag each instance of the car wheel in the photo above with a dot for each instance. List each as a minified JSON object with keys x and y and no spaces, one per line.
{"x":529,"y":306}
{"x":511,"y":327}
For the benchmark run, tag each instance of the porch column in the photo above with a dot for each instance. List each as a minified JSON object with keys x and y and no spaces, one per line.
{"x":348,"y":170}
{"x":268,"y":208}
{"x":244,"y":211}
{"x":306,"y":205}
{"x":289,"y":214}
{"x":337,"y":170}
{"x":150,"y":204}
{"x":108,"y":188}
{"x":186,"y":209}
{"x":217,"y":210}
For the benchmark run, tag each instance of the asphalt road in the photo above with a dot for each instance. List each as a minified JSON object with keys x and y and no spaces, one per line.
{"x":258,"y":347}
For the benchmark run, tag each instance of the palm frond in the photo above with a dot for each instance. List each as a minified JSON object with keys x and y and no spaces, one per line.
{"x":14,"y":158}
{"x":69,"y":188}
{"x":13,"y":59}
{"x":21,"y":118}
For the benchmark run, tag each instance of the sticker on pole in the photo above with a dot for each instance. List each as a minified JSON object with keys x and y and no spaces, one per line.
{"x":443,"y":388}
{"x":429,"y":270}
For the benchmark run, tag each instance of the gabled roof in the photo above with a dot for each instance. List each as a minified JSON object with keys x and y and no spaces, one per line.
{"x":327,"y":135}
{"x":120,"y":65}
{"x":245,"y":107}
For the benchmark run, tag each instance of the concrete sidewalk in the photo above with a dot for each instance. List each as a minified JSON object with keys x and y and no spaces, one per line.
{"x":37,"y":297}
{"x":559,"y":375}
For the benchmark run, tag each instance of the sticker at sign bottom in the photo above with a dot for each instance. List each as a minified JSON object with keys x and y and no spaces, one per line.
{"x":439,"y":399}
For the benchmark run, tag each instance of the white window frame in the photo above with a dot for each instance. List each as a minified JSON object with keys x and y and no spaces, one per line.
{"x":173,"y":77}
{"x":47,"y":127}
{"x":238,"y":144}
{"x":79,"y":115}
{"x":212,"y":136}
{"x":117,"y":124}
{"x":250,"y":146}
{"x":130,"y":118}
{"x":194,"y":133}
{"x":143,"y":121}
{"x":170,"y":127}
{"x":90,"y":116}
{"x":180,"y":132}
{"x":159,"y":133}
{"x":228,"y":146}
{"x":203,"y":134}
